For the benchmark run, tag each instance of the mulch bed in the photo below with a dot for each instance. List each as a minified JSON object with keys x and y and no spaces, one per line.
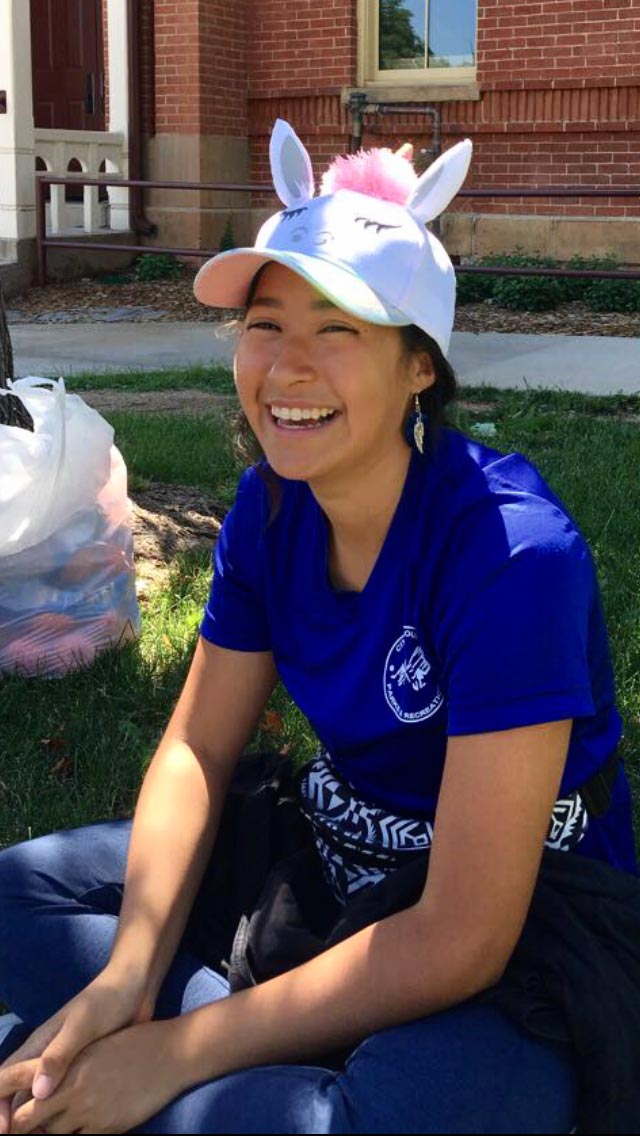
{"x":174,"y":299}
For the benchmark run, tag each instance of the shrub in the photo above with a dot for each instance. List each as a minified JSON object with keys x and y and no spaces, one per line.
{"x":157,"y":266}
{"x":474,"y":289}
{"x":113,"y":278}
{"x":544,"y":293}
{"x":228,"y":239}
{"x":528,"y":293}
{"x":613,"y":295}
{"x":575,"y":288}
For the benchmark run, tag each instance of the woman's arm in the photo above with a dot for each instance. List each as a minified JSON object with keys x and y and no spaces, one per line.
{"x":496,"y":799}
{"x":179,"y":806}
{"x":174,"y":829}
{"x":495,"y":802}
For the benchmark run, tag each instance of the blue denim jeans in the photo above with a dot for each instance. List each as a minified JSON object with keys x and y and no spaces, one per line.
{"x":464,"y":1070}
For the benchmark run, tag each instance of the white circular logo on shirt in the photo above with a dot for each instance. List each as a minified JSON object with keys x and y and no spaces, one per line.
{"x":409,"y":691}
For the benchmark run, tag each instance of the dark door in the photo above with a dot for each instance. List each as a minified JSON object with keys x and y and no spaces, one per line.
{"x":68,"y":64}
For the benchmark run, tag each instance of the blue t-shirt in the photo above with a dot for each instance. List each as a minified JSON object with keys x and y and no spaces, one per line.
{"x":482,"y":613}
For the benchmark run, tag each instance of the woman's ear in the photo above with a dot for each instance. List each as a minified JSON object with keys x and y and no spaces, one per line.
{"x":423,"y":372}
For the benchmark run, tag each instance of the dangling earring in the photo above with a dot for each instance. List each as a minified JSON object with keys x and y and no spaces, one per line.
{"x":418,"y":427}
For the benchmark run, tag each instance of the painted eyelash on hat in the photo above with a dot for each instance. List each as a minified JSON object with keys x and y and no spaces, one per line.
{"x":368,"y":222}
{"x":375,"y":173}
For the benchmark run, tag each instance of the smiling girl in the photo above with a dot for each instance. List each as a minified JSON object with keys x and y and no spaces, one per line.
{"x":433,"y":609}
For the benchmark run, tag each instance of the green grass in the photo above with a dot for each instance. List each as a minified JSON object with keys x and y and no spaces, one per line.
{"x":214,"y":377}
{"x":180,"y":449}
{"x":74,"y":750}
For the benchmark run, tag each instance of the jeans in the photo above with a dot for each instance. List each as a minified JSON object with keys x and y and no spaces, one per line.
{"x":466,"y":1070}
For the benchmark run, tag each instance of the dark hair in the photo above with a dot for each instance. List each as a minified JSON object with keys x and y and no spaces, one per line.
{"x":436,"y":398}
{"x":433,"y":403}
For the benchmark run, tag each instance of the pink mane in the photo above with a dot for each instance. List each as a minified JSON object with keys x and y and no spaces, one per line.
{"x":378,"y":173}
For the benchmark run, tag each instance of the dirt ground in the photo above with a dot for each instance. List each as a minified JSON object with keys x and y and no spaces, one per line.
{"x":157,"y":402}
{"x":174,"y":300}
{"x":168,"y":519}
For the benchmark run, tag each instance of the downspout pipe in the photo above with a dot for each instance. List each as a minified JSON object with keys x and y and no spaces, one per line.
{"x":138,"y":222}
{"x":358,"y":104}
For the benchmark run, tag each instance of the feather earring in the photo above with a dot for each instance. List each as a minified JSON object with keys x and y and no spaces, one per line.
{"x":418,"y":427}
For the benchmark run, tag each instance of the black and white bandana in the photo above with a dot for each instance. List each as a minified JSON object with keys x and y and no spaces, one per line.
{"x":360,"y":843}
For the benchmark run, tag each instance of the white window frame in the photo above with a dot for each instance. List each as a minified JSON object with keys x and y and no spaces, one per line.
{"x":370,"y":75}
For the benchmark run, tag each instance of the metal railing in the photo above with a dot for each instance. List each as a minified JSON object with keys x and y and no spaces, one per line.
{"x":45,"y":242}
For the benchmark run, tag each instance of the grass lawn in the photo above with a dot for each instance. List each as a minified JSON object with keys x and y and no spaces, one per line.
{"x":74,"y":750}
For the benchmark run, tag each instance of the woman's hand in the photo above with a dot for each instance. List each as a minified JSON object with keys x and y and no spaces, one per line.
{"x":109,"y":1003}
{"x":114,"y":1085}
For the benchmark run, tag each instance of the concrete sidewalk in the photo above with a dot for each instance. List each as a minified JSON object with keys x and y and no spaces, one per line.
{"x":590,"y":364}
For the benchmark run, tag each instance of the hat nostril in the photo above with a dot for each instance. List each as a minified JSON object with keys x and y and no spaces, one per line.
{"x":324,"y":237}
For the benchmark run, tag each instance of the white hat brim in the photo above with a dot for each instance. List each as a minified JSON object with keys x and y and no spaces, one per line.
{"x":223,"y":282}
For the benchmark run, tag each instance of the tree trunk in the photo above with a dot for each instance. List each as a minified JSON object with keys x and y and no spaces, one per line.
{"x":6,"y":350}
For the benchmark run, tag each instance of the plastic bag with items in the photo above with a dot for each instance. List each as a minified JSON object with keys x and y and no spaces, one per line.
{"x":67,"y":578}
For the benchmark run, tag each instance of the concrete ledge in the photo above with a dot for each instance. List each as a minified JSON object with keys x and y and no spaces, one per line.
{"x":14,"y":277}
{"x":70,"y":264}
{"x":17,"y":269}
{"x":18,"y":272}
{"x":476,"y":234}
{"x":460,"y":90}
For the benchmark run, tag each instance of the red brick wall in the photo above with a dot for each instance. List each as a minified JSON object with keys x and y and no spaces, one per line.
{"x":561,"y":102}
{"x":305,"y":46}
{"x":224,"y":28}
{"x":560,"y":105}
{"x":147,"y":66}
{"x":299,"y":58}
{"x":200,"y":66}
{"x":559,"y":80}
{"x":177,"y":56}
{"x":534,"y":40}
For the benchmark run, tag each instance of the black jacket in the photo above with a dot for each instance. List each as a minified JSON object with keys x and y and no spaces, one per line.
{"x":574,"y":977}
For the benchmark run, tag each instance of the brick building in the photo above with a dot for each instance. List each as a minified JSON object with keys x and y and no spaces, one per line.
{"x":549,"y":91}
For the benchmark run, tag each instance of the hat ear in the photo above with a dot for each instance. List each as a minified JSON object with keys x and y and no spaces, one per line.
{"x":290,"y":165}
{"x":441,"y":182}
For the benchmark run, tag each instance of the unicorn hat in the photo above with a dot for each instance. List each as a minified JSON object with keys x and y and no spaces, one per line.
{"x":362,"y":242}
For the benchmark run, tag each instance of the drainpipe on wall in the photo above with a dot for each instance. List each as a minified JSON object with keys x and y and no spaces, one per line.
{"x":359,"y":105}
{"x":137,"y":220}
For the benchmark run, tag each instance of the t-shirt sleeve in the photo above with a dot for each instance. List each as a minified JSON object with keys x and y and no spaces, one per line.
{"x":513,"y":643}
{"x":235,"y":614}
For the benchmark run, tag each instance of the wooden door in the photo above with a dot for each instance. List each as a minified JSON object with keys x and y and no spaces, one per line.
{"x":68,"y":64}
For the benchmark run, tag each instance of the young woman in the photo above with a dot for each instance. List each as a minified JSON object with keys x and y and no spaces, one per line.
{"x":432,"y":607}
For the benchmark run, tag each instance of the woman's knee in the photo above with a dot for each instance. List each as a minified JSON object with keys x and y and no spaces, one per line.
{"x":270,"y":1099}
{"x":15,"y":871}
{"x":63,"y":866}
{"x":433,"y":1074}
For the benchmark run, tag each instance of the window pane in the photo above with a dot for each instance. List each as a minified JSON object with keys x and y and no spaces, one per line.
{"x":402,"y":34}
{"x":452,"y":33}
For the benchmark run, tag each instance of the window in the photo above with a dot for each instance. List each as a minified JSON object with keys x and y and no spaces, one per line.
{"x":418,"y":40}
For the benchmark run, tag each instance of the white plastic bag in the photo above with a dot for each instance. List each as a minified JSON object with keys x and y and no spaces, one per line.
{"x":67,"y":578}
